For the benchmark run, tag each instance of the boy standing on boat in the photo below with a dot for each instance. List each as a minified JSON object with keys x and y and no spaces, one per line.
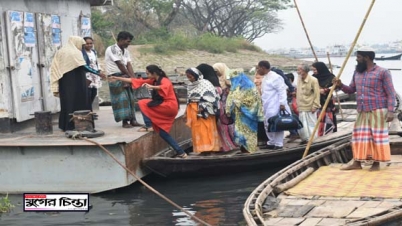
{"x":375,"y":96}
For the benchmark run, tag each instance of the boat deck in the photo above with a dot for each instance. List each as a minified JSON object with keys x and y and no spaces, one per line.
{"x":331,"y":196}
{"x":114,"y":133}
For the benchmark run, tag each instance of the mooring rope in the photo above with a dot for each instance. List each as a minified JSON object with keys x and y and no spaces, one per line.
{"x":143,"y":182}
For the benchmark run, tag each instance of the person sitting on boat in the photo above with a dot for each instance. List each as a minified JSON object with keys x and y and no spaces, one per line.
{"x":325,"y":77}
{"x":375,"y":96}
{"x":274,"y":99}
{"x":160,"y":112}
{"x":308,"y":102}
{"x":201,"y":110}
{"x":222,"y":122}
{"x":226,"y":127}
{"x":244,"y":104}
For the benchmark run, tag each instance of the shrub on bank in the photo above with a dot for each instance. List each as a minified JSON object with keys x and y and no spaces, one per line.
{"x":206,"y":42}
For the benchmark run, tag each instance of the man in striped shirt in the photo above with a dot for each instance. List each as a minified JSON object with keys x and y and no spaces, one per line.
{"x":375,"y":96}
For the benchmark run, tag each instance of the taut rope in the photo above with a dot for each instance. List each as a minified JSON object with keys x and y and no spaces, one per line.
{"x":144,"y":183}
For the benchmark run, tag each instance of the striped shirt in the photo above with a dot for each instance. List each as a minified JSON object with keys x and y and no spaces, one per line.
{"x":374,"y":89}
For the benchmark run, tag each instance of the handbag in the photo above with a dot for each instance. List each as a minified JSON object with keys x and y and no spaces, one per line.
{"x":142,"y":93}
{"x":284,"y":121}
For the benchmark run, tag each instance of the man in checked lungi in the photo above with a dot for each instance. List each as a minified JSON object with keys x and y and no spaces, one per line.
{"x":375,"y":96}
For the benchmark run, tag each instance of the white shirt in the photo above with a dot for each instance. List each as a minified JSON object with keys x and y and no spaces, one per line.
{"x":114,"y":53}
{"x":95,"y":79}
{"x":273,"y":90}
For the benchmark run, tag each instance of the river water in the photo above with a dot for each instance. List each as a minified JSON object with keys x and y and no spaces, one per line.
{"x":217,"y":199}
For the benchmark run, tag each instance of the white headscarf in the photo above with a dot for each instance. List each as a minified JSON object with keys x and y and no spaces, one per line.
{"x":66,"y":59}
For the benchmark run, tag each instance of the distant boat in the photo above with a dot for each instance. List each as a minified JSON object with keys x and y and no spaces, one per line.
{"x":396,"y":57}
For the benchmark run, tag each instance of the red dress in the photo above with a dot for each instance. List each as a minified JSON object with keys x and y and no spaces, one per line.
{"x":163,"y":115}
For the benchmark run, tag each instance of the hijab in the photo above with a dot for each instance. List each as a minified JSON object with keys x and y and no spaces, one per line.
{"x":224,"y":71}
{"x":66,"y":59}
{"x":209,"y":74}
{"x":202,"y":92}
{"x":324,"y":76}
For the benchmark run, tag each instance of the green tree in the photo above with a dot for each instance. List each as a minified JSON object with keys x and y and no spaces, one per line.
{"x":249,"y":19}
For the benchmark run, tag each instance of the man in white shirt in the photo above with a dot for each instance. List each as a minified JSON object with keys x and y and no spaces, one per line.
{"x":274,"y":99}
{"x":94,"y":81}
{"x":118,"y":63}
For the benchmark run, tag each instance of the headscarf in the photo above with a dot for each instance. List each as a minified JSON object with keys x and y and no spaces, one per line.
{"x":202,"y":92}
{"x":324,"y":76}
{"x":224,"y":71}
{"x":209,"y":74}
{"x":66,"y":59}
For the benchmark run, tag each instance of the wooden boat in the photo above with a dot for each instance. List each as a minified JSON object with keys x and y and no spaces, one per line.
{"x":163,"y":164}
{"x":396,"y":57}
{"x":279,"y":200}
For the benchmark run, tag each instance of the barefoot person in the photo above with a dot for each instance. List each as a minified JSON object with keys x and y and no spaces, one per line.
{"x":118,"y":63}
{"x":375,"y":96}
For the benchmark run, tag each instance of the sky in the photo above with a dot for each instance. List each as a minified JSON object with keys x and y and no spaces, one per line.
{"x":330,"y":22}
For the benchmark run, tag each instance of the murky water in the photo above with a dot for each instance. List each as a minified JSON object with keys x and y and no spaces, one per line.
{"x":218,"y":200}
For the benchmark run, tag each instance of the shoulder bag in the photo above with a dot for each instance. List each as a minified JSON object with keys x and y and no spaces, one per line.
{"x":284,"y":121}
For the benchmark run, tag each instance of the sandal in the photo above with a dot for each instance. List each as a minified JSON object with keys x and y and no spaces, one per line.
{"x":180,"y":156}
{"x":127,"y":126}
{"x":145,"y":129}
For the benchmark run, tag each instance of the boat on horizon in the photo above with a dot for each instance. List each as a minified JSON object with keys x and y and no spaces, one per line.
{"x":395,"y":57}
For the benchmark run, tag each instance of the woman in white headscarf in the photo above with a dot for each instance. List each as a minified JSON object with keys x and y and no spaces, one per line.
{"x":68,"y":80}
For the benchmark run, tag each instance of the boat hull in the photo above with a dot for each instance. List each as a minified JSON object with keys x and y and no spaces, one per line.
{"x":232,"y":162}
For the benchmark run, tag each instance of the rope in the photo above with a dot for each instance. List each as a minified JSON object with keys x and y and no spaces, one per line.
{"x":337,"y":77}
{"x":144,"y":183}
{"x":82,"y":117}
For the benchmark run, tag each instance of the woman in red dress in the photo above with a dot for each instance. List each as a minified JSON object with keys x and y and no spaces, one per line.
{"x":159,"y":112}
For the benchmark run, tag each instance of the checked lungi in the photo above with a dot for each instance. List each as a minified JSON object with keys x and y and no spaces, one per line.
{"x":370,"y":139}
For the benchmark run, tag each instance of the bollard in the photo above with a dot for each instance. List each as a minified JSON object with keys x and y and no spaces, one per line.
{"x":83,"y":120}
{"x":43,"y":122}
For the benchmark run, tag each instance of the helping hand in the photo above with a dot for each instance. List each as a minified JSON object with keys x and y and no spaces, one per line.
{"x":112,"y":79}
{"x":102,"y":75}
{"x":282,"y":107}
{"x":390,"y":116}
{"x":56,"y":94}
{"x":337,"y":83}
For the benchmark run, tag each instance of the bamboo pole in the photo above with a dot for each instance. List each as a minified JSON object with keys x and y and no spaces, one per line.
{"x":305,"y":31}
{"x":336,"y":91}
{"x":337,"y":77}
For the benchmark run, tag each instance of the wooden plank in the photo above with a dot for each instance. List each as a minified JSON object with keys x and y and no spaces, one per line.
{"x":311,"y":222}
{"x":365,"y":212}
{"x":331,"y":221}
{"x":272,"y":221}
{"x":331,"y":211}
{"x":290,"y":221}
{"x":344,"y":203}
{"x":370,"y":204}
{"x":294,"y":210}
